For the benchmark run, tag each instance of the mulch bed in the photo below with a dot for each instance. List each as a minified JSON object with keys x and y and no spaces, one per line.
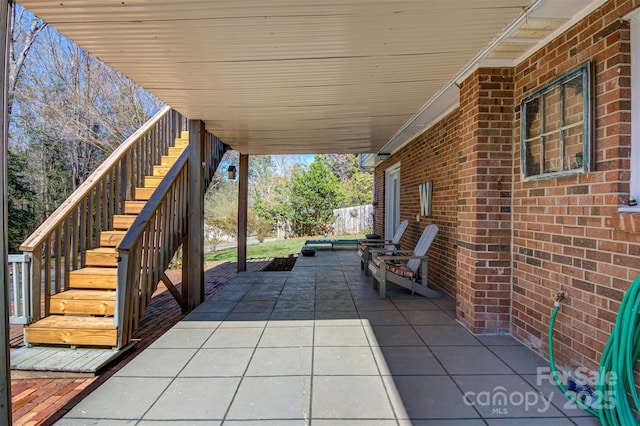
{"x":282,"y":263}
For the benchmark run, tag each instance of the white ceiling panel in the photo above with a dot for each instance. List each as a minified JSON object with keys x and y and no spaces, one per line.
{"x":287,"y":76}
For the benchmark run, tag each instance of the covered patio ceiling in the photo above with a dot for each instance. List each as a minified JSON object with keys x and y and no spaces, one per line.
{"x":299,"y":76}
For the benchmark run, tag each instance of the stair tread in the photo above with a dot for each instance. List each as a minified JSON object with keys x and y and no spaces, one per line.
{"x":74,"y":322}
{"x":111,"y":238}
{"x":105,"y":250}
{"x":86,"y":294}
{"x":95,"y":271}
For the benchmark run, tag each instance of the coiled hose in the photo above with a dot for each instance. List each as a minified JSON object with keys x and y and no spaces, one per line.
{"x":614,"y":381}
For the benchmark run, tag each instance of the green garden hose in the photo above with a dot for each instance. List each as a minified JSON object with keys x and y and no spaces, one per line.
{"x":615,"y":387}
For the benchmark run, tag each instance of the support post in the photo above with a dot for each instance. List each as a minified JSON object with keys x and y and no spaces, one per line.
{"x":5,"y":372}
{"x":243,"y":210}
{"x":195,"y":215}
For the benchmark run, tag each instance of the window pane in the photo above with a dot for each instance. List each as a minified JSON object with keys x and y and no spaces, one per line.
{"x":533,"y":118}
{"x":552,"y":153}
{"x":573,"y":101}
{"x":555,"y":137}
{"x":552,"y":110}
{"x":533,"y":157}
{"x":573,"y":148}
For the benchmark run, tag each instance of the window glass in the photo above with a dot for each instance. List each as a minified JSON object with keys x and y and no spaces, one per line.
{"x":555,"y":127}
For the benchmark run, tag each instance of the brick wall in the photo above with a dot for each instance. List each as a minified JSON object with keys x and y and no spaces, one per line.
{"x":517,"y":241}
{"x":567,"y":232}
{"x":484,"y":198}
{"x":433,"y":156}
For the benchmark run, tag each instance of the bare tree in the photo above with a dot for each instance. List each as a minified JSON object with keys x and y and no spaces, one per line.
{"x":69,"y":109}
{"x":23,"y":37}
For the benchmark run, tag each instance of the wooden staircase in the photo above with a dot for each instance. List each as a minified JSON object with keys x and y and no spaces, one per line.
{"x":83,"y":314}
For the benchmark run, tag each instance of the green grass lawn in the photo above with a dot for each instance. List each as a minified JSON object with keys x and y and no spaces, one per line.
{"x":280,"y":248}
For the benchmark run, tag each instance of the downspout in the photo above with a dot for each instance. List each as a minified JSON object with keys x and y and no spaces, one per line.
{"x":5,"y":372}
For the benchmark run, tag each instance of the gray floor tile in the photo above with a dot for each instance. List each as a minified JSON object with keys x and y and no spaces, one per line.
{"x":557,"y":421}
{"x":193,"y":323}
{"x":288,"y":317}
{"x":407,"y":361}
{"x":340,"y":397}
{"x":505,"y":396}
{"x":255,"y":306}
{"x":215,"y":306}
{"x":341,"y":293}
{"x":383,"y":317}
{"x":254,"y":299}
{"x":351,"y":422}
{"x":204,"y":317}
{"x":417,"y":303}
{"x":520,"y":358}
{"x":297,"y":294}
{"x":375,"y":305}
{"x":360,"y":293}
{"x":181,"y":338}
{"x":278,"y":337}
{"x":280,"y":362}
{"x":208,"y":422}
{"x":361,"y":366}
{"x":300,"y":422}
{"x":499,"y":340}
{"x":446,"y":335}
{"x":194,"y":399}
{"x":448,"y":422}
{"x":331,"y":304}
{"x":66,"y":421}
{"x":295,"y":319}
{"x":586,"y":421}
{"x":446,"y":303}
{"x":338,"y":322}
{"x":246,"y":317}
{"x":393,"y":335}
{"x":331,"y":315}
{"x":223,"y":362}
{"x":297,"y":305}
{"x":344,"y":361}
{"x":157,"y":363}
{"x":427,"y":397}
{"x":469,"y":360}
{"x":234,"y":338}
{"x":247,"y":323}
{"x":120,"y":398}
{"x":341,"y":336}
{"x":544,"y":383}
{"x":429,"y":318}
{"x":272,"y":398}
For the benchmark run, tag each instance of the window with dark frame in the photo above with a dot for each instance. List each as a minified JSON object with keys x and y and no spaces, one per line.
{"x":556,"y":127}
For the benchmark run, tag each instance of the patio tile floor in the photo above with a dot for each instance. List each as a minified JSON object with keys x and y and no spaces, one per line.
{"x":316,"y":346}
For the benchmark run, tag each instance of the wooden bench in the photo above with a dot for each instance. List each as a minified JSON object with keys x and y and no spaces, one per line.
{"x":326,"y":243}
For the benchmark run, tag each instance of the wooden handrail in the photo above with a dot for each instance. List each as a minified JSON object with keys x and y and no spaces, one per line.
{"x":157,"y":232}
{"x":135,"y":232}
{"x":63,"y":211}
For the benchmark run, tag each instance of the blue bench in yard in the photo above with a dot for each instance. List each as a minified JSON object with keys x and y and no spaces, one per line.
{"x":326,"y":243}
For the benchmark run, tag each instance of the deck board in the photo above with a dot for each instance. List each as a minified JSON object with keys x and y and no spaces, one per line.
{"x":81,"y":360}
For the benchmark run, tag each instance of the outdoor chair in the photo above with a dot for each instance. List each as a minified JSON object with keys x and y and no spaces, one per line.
{"x":401,"y":267}
{"x":365,"y":247}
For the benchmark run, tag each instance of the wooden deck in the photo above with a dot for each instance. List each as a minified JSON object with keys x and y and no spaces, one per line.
{"x":81,"y":360}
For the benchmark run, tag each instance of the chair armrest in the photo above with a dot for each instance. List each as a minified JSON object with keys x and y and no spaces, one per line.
{"x":409,"y":257}
{"x":373,"y":242}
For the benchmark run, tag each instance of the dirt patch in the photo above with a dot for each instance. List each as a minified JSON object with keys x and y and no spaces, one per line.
{"x":282,"y":263}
